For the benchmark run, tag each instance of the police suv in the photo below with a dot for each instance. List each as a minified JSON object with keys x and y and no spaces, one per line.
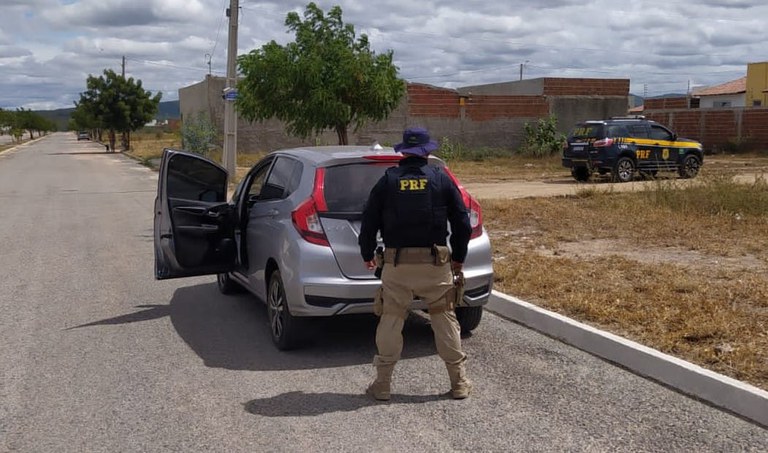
{"x":623,"y":146}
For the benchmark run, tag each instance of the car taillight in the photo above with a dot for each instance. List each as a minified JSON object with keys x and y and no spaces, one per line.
{"x":306,"y":218}
{"x":603,"y":143}
{"x":475,"y":212}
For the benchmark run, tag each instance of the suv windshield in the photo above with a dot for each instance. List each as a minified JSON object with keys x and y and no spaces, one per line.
{"x":586,"y":131}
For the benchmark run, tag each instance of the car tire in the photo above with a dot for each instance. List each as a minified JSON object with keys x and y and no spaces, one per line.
{"x":581,"y":174}
{"x":284,"y":328}
{"x":690,"y":166}
{"x":469,"y":318}
{"x":227,"y":285}
{"x":623,"y":170}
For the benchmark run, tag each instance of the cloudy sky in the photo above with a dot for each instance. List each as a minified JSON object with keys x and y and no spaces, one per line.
{"x":49,"y":47}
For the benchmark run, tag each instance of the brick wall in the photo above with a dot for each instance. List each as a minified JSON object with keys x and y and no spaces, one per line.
{"x":485,"y":108}
{"x":754,"y":125}
{"x":426,"y":100}
{"x":666,"y":103}
{"x":585,"y":87}
{"x":716,"y":128}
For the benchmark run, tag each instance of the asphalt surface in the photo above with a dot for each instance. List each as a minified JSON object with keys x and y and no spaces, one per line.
{"x":97,"y":356}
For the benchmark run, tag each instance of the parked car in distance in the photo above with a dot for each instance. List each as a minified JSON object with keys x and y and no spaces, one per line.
{"x":289,"y":233}
{"x":83,"y":135}
{"x":623,"y":146}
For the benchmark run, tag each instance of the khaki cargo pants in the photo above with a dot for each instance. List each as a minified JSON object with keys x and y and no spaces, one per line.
{"x":418,"y":273}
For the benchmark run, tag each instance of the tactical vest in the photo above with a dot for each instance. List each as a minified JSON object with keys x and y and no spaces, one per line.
{"x":415,"y":213}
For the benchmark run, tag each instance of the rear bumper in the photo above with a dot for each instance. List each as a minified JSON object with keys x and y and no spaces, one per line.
{"x":356,"y":296}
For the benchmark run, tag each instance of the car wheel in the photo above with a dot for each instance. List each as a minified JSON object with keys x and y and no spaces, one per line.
{"x":624,"y":170}
{"x":227,"y":285}
{"x":469,"y":317}
{"x":283,"y":325}
{"x":690,"y":166}
{"x":581,"y":173}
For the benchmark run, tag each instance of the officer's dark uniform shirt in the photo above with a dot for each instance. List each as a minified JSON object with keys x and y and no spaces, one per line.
{"x":412,"y":205}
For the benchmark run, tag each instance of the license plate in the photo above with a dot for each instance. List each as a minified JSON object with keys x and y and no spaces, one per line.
{"x":578,"y":148}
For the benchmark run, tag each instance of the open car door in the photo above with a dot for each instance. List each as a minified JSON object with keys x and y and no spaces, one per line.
{"x":194,"y":224}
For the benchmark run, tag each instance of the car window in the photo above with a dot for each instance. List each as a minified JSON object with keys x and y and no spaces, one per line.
{"x":617,"y":131}
{"x":282,"y":180}
{"x":660,"y":133}
{"x":257,"y":180}
{"x":586,"y":131}
{"x":190,"y":178}
{"x":347,"y":186}
{"x":638,"y":130}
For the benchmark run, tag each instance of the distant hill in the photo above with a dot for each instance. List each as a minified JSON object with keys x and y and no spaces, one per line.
{"x":635,"y":100}
{"x":668,"y":95}
{"x":165,"y":110}
{"x":168,"y":110}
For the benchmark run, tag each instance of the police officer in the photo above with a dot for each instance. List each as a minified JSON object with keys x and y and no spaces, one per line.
{"x":412,"y":205}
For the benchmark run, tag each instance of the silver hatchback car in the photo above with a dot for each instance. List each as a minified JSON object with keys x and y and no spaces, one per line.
{"x":289,"y":233}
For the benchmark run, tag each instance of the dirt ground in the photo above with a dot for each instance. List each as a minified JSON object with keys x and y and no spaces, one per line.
{"x":562,"y":184}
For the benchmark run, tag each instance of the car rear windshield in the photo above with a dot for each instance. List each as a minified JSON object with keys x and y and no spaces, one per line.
{"x":586,"y":131}
{"x":347,"y":186}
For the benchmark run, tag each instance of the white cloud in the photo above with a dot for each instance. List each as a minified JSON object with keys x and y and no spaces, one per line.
{"x":48,"y":47}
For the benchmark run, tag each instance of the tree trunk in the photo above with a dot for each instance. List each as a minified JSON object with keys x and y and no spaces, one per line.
{"x":341,"y":132}
{"x":112,"y":140}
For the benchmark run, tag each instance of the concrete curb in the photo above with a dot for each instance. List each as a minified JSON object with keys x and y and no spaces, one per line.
{"x":738,"y":397}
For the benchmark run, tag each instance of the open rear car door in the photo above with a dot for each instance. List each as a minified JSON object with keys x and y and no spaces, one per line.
{"x":194,"y":224}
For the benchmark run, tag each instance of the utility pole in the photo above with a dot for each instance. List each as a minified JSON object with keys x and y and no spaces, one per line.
{"x":230,"y":118}
{"x":123,"y":66}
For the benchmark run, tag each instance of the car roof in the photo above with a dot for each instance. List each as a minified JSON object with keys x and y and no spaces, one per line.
{"x":620,"y":119}
{"x":323,"y":155}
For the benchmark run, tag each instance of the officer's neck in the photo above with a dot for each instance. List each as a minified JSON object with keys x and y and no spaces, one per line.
{"x":411,"y":159}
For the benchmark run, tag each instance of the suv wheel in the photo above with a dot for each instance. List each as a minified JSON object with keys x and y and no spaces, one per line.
{"x":690,"y":166}
{"x":227,"y":285}
{"x":283,"y":326}
{"x":580,"y":173}
{"x":469,"y":317}
{"x":624,"y":170}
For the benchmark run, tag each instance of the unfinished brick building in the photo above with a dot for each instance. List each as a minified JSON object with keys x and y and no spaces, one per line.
{"x":479,"y":116}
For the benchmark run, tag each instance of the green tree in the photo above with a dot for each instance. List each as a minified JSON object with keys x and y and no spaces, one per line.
{"x":325,"y":79}
{"x":117,"y":104}
{"x":32,"y":122}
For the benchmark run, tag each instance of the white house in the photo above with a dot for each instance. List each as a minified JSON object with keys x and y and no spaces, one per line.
{"x":728,"y":94}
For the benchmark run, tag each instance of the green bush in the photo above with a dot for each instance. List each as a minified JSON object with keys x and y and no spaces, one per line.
{"x":198,"y":134}
{"x":542,"y":138}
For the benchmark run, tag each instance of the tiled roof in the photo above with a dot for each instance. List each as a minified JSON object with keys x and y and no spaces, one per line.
{"x":732,"y":87}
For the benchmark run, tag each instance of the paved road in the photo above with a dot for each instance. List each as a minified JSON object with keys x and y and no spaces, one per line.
{"x":97,"y":356}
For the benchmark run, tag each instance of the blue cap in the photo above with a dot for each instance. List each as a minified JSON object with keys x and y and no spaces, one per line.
{"x":416,"y":141}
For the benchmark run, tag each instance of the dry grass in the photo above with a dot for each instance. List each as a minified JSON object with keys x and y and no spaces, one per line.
{"x":149,"y":146}
{"x":499,"y":169}
{"x":684,"y":271}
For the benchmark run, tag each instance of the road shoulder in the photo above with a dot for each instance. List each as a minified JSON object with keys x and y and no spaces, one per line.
{"x":724,"y":392}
